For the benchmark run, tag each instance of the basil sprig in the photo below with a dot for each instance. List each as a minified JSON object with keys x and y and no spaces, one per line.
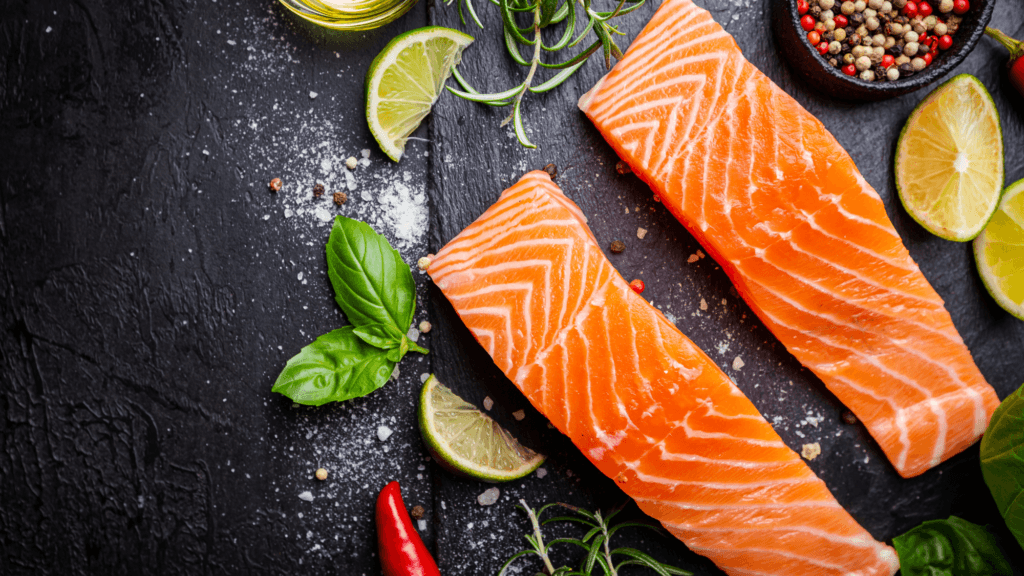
{"x":375,"y":289}
{"x":1002,"y":461}
{"x":951,"y":547}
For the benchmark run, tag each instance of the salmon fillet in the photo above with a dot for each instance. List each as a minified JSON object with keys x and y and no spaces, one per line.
{"x":638,"y":398}
{"x":772,"y":196}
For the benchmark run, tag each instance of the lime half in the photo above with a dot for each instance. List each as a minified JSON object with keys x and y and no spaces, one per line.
{"x":405,"y":80}
{"x":999,"y":251}
{"x":466,"y":441}
{"x":949,"y":160}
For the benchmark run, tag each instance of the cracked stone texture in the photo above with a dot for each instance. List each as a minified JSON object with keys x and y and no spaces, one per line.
{"x":149,"y":293}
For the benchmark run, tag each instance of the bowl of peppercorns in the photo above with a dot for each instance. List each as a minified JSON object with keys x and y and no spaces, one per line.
{"x":865,"y":50}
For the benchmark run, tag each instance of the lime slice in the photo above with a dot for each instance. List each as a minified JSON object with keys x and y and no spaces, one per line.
{"x":405,"y":80}
{"x":999,"y":250}
{"x":466,"y":441}
{"x":949,"y":160}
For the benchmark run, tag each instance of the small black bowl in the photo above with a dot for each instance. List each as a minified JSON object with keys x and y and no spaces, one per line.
{"x":815,"y":70}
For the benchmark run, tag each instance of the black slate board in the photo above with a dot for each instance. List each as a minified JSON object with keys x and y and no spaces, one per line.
{"x":149,"y":293}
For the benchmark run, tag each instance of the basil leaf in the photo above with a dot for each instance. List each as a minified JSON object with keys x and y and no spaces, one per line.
{"x":383,"y":336}
{"x":336,"y":366}
{"x":952,"y":547}
{"x":1002,"y":461}
{"x":372,"y":284}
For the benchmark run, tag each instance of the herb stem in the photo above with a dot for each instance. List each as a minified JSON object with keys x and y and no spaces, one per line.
{"x":534,"y":62}
{"x":607,"y":549}
{"x":541,"y":551}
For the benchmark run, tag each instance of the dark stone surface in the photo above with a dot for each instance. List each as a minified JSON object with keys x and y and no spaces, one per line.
{"x":150,"y":292}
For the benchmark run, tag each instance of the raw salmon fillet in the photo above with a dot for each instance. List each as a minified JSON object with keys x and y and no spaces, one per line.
{"x":638,"y":398}
{"x":779,"y":204}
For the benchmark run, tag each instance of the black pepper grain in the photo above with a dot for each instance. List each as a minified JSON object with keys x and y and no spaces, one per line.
{"x":815,"y":11}
{"x":417,"y":512}
{"x":552,"y":171}
{"x":857,"y":18}
{"x":340,"y":198}
{"x":849,"y":417}
{"x":906,"y":70}
{"x":618,"y":246}
{"x":318,"y":190}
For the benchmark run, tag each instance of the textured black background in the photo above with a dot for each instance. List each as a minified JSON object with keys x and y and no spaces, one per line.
{"x":150,"y":292}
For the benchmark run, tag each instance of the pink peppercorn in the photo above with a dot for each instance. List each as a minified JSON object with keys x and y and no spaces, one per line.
{"x":961,"y":6}
{"x":946,"y":42}
{"x":802,"y":7}
{"x":807,"y":22}
{"x":910,"y":10}
{"x":924,"y":9}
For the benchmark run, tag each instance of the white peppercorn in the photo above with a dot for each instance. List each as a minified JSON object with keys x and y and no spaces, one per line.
{"x":893,"y":73}
{"x":918,"y":26}
{"x":860,"y":5}
{"x":840,"y":34}
{"x":911,"y":37}
{"x":918,"y":64}
{"x":889,"y":42}
{"x":946,"y":6}
{"x":878,"y":39}
{"x":847,"y":8}
{"x":830,"y":24}
{"x":867,"y":76}
{"x":875,"y":4}
{"x":826,"y":4}
{"x":870,"y":13}
{"x":862,"y":31}
{"x":859,"y":51}
{"x":899,"y":4}
{"x":940,"y":29}
{"x":872,"y":23}
{"x":876,"y":54}
{"x":930,"y":21}
{"x":911,"y":48}
{"x":886,"y":7}
{"x":896,"y":29}
{"x":848,"y":58}
{"x":901,"y":59}
{"x":863,"y":63}
{"x":826,"y":15}
{"x":835,"y":47}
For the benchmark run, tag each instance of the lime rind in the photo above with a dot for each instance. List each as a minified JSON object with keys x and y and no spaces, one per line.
{"x":956,"y":203}
{"x":406,"y":79}
{"x":466,"y":441}
{"x":999,"y":252}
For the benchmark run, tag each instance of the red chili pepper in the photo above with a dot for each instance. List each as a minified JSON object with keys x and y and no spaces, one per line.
{"x":637,"y":286}
{"x":402,"y":552}
{"x":1016,"y":63}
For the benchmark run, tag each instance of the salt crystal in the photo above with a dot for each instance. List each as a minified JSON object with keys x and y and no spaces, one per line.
{"x":364,"y":162}
{"x":737,"y":363}
{"x":488,"y":403}
{"x":640,"y":233}
{"x":413,"y":334}
{"x":422,"y":525}
{"x":288,"y":213}
{"x":206,"y":152}
{"x":299,"y":276}
{"x":232,"y":42}
{"x":811,"y":451}
{"x":424,"y":376}
{"x":313,"y":94}
{"x":266,"y":216}
{"x":542,"y":472}
{"x":49,"y":29}
{"x":383,"y":433}
{"x":365,"y":152}
{"x":307,"y":496}
{"x":395,"y":373}
{"x":323,"y":214}
{"x":519,"y":414}
{"x":488,"y":497}
{"x":350,"y":181}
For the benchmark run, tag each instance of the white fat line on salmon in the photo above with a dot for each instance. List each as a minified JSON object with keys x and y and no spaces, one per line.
{"x":733,"y":486}
{"x":860,"y":541}
{"x":447,"y":264}
{"x":526,"y":287}
{"x":683,"y":457}
{"x":502,"y":313}
{"x":765,"y":551}
{"x":834,"y":320}
{"x":694,"y":433}
{"x":743,"y":506}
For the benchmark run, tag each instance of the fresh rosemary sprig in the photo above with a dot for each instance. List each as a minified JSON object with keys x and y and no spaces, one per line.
{"x":596,"y":544}
{"x":543,"y":13}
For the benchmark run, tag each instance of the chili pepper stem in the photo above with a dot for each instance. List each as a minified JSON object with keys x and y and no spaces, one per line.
{"x":541,"y":551}
{"x":1015,"y":47}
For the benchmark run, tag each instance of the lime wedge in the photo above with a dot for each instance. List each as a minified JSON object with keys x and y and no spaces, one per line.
{"x":949,"y":160}
{"x":999,"y":250}
{"x":468,"y":442}
{"x":405,"y":80}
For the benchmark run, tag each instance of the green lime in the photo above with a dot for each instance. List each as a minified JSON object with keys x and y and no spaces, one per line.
{"x":999,"y":250}
{"x":466,"y":441}
{"x":405,"y":80}
{"x":949,"y":160}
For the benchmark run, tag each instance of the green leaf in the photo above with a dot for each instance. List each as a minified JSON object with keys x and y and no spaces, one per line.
{"x":952,"y":547}
{"x":372,"y":284}
{"x":1002,"y":461}
{"x":517,"y":123}
{"x":548,"y":8}
{"x":383,"y":336}
{"x":337,"y":366}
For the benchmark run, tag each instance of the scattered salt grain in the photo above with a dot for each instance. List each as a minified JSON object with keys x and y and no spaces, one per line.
{"x":307,"y":496}
{"x":488,"y":403}
{"x":365,"y":152}
{"x":737,"y":363}
{"x":49,"y":29}
{"x":299,"y":276}
{"x":395,"y":373}
{"x":703,"y":304}
{"x":383,"y":433}
{"x":811,"y":451}
{"x":413,"y":334}
{"x":542,"y":472}
{"x":266,"y":216}
{"x":640,"y":233}
{"x":488,"y":497}
{"x":519,"y":414}
{"x":422,"y":525}
{"x":232,"y":43}
{"x":313,"y":94}
{"x":424,"y":376}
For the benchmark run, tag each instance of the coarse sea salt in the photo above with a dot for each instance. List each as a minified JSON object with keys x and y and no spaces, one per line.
{"x":307,"y":496}
{"x":383,"y":433}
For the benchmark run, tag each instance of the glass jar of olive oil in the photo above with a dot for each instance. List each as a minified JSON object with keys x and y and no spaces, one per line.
{"x":349,"y":14}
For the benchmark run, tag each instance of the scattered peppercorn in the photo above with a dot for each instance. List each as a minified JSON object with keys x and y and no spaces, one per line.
{"x":622,"y":168}
{"x":880,"y":40}
{"x":340,"y":198}
{"x":351,"y":162}
{"x":423,"y":263}
{"x":321,"y":474}
{"x":552,"y":171}
{"x":618,"y":246}
{"x":849,"y":418}
{"x":275,"y":185}
{"x":637,"y":286}
{"x":425,"y":327}
{"x":318,"y":190}
{"x":417,"y":512}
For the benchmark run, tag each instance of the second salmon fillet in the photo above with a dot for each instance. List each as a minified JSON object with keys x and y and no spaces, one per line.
{"x":638,"y":398}
{"x":779,"y":204}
